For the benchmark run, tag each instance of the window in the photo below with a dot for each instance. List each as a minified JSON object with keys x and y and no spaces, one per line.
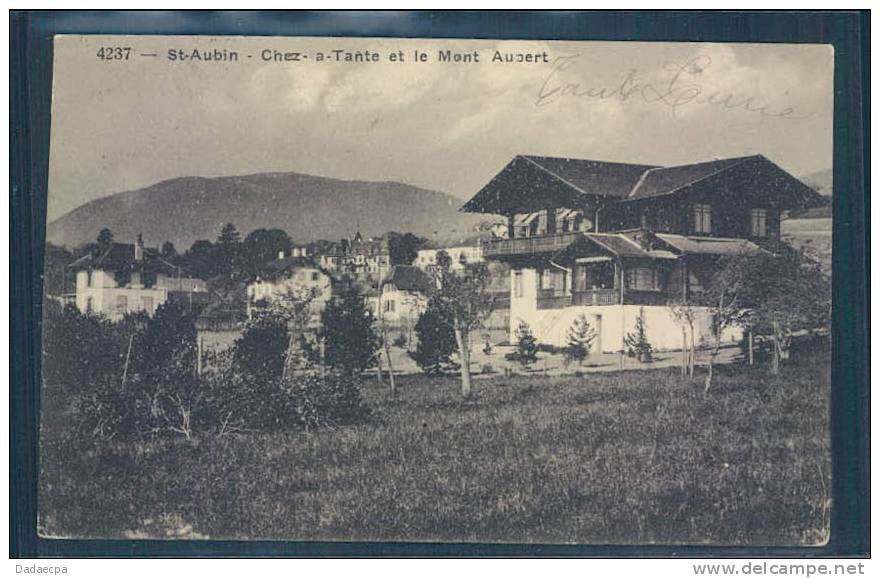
{"x":642,"y":279}
{"x":517,"y":284}
{"x":389,"y":306}
{"x":546,"y":279}
{"x":147,"y":304}
{"x":121,"y":303}
{"x":702,"y":218}
{"x":759,"y":223}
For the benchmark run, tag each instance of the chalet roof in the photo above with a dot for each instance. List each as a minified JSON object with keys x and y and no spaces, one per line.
{"x":593,"y":177}
{"x":409,"y":278}
{"x":663,"y":180}
{"x":527,"y":183}
{"x":624,"y":245}
{"x":708,"y":245}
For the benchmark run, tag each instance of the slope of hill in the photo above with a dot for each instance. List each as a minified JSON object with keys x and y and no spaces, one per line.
{"x":186,"y":209}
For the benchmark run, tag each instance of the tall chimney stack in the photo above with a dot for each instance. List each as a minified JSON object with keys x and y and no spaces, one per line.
{"x":139,"y":248}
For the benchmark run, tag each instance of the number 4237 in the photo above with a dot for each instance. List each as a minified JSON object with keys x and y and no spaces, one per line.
{"x":114,"y":52}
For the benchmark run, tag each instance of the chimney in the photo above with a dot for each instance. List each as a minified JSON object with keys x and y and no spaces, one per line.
{"x":139,"y":248}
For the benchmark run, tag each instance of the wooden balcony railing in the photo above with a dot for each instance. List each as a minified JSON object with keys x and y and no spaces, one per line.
{"x":528,"y":245}
{"x":596,"y":297}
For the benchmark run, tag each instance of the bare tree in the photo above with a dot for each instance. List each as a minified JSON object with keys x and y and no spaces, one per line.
{"x":685,"y":314}
{"x":463,"y":298}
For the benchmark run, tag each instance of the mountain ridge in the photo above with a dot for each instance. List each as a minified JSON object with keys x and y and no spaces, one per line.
{"x":308,"y":207}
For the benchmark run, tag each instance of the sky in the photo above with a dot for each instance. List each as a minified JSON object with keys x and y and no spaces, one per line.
{"x":119,"y":125}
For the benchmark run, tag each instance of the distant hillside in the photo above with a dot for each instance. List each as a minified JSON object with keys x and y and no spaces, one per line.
{"x":307,"y":207}
{"x":820,"y":181}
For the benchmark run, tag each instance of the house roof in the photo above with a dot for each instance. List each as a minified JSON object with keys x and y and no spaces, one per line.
{"x":708,"y":245}
{"x":593,"y":177}
{"x":410,"y":279}
{"x":527,"y":183}
{"x":663,"y":180}
{"x":121,"y":255}
{"x":624,"y":245}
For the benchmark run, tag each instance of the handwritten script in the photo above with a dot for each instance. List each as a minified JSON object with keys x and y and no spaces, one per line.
{"x":681,"y":88}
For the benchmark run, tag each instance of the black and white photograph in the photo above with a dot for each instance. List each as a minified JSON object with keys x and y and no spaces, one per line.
{"x":423,"y":290}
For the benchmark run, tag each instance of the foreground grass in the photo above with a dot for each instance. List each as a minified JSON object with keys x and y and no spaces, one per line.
{"x":635,"y":457}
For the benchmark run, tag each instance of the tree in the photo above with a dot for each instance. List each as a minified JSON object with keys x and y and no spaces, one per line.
{"x":580,"y":339}
{"x":436,"y":341}
{"x":166,"y":350}
{"x":464,"y":300}
{"x":403,"y":249}
{"x":636,"y":342}
{"x":263,"y":245}
{"x":685,"y":314}
{"x":228,"y":253}
{"x":201,"y":259}
{"x":350,"y":341}
{"x":526,"y":352}
{"x":169,"y":252}
{"x":784,"y":292}
{"x":105,"y":239}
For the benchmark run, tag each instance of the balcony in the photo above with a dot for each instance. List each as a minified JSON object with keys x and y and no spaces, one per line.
{"x":528,"y":245}
{"x":596,"y":297}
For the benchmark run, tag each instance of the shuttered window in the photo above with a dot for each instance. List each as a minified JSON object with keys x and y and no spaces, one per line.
{"x":759,"y":222}
{"x":702,"y":218}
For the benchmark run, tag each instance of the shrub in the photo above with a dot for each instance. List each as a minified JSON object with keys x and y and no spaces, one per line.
{"x":636,"y":342}
{"x":326,"y":399}
{"x":260,"y":350}
{"x":526,"y":352}
{"x":580,"y":339}
{"x":436,"y":342}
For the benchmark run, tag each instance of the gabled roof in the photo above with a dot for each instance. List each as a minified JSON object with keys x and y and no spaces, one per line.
{"x":660,"y":180}
{"x":593,"y":177}
{"x":623,"y":245}
{"x":527,"y":183}
{"x":410,"y":279}
{"x":121,"y":255}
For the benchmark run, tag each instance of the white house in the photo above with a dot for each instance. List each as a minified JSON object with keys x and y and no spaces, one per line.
{"x":403,"y":296}
{"x":128,"y":278}
{"x":460,"y":256}
{"x":295,"y":275}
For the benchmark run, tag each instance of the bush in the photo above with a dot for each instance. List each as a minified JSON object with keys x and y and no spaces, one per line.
{"x":636,"y":342}
{"x":526,"y":352}
{"x":327,"y":399}
{"x":436,"y":342}
{"x":260,"y":350}
{"x":580,"y":340}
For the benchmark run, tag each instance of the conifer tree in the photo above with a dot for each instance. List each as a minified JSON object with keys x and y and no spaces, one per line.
{"x":636,"y":342}
{"x":580,"y":338}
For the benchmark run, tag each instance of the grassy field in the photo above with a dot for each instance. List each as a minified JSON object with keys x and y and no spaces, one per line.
{"x":633,"y":457}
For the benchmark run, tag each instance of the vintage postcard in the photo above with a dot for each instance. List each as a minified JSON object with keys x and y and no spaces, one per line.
{"x":422,"y":290}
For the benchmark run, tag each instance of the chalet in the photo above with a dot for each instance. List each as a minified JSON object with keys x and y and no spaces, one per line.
{"x":128,"y":278}
{"x":607,"y":239}
{"x":296,"y":275}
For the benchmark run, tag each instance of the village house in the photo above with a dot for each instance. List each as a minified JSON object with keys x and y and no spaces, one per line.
{"x":291,"y":275}
{"x":460,"y":255}
{"x":128,"y":278}
{"x":608,"y":239}
{"x":403,"y":296}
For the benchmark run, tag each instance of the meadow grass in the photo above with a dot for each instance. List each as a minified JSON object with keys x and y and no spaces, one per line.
{"x":632,"y":457}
